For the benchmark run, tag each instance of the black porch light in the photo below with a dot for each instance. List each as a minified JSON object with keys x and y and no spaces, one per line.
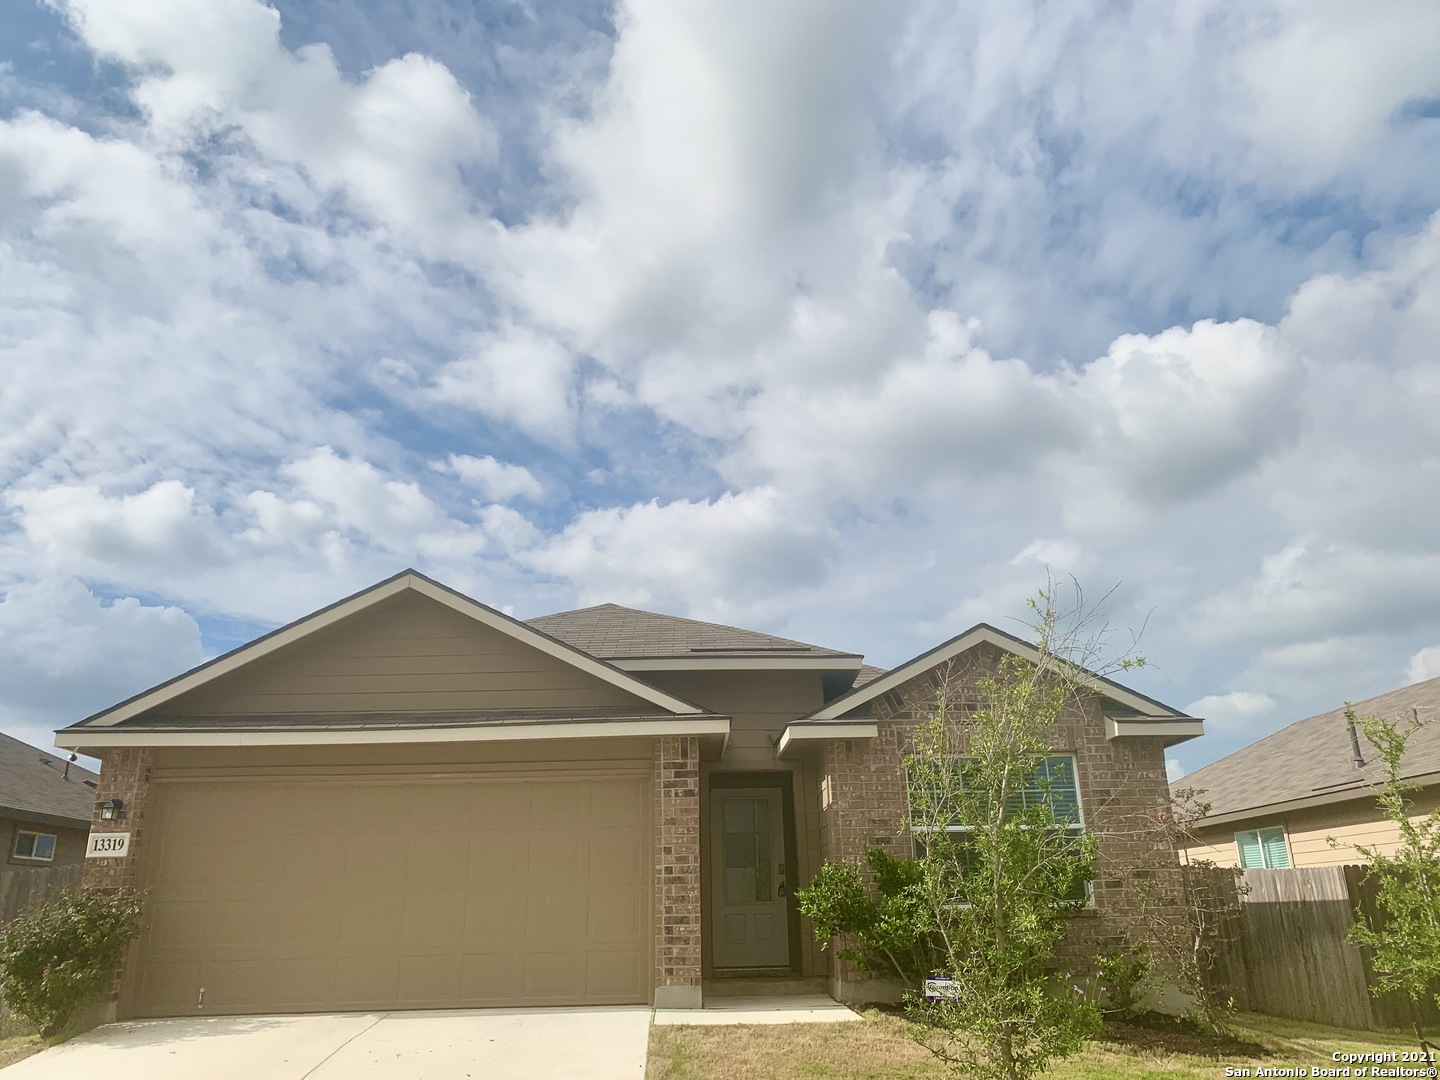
{"x":110,"y":809}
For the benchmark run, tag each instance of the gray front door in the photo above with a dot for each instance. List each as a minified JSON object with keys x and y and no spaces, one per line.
{"x":748,"y":886}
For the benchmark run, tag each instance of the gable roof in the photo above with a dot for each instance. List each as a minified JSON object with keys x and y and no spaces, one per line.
{"x":352,"y":605}
{"x":635,"y":640}
{"x":33,"y":782}
{"x":1313,"y":759}
{"x":1143,"y":710}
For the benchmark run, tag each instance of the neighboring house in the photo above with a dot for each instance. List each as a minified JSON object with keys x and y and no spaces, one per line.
{"x":411,"y":800}
{"x":1277,"y":802}
{"x":45,"y":806}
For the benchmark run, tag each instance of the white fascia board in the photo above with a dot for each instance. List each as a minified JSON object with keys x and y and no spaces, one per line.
{"x":981,"y":634}
{"x":327,"y":617}
{"x":740,"y":663}
{"x":101,"y":738}
{"x":796,"y":735}
{"x":1172,"y":729}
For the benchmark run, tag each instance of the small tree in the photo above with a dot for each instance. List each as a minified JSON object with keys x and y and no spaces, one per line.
{"x":61,"y":953}
{"x":1406,"y":944}
{"x":1001,"y":858}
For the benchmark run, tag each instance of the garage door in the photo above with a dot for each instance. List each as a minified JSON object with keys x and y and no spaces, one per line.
{"x":351,"y":893}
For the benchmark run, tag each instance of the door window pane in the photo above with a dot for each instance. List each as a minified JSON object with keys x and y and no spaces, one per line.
{"x":747,"y":851}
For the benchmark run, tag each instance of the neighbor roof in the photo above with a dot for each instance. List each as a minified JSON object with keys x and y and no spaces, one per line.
{"x":33,"y":782}
{"x":617,"y":633}
{"x":1313,"y":759}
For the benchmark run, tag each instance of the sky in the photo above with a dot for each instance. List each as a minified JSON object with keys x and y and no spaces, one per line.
{"x":846,"y":321}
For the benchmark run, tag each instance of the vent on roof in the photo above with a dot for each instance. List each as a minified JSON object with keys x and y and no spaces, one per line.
{"x":751,"y":648}
{"x":89,"y":783}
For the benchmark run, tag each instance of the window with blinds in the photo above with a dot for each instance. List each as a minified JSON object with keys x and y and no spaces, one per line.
{"x":1263,"y":849}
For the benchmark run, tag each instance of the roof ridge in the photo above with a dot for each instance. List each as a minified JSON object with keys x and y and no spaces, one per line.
{"x":683,"y":619}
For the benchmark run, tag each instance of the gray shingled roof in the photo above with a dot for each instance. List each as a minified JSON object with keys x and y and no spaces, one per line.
{"x":31,"y":783}
{"x":385,"y":721}
{"x":1313,"y":757}
{"x":612,"y":632}
{"x":868,"y":673}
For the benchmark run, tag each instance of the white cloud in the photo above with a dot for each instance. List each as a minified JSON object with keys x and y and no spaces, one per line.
{"x":496,"y":480}
{"x":730,"y":554}
{"x":81,"y":525}
{"x":64,"y":653}
{"x":1240,"y":712}
{"x":1173,"y":769}
{"x":1425,"y":664}
{"x":517,"y":376}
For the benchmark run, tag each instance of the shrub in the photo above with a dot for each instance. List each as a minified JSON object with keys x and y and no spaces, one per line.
{"x":58,"y":955}
{"x":1121,"y":974}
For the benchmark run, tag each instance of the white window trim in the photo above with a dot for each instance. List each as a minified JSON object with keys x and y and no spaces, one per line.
{"x":15,"y":848}
{"x":1284,"y":835}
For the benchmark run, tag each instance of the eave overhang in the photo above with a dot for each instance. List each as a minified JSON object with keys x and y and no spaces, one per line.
{"x":800,"y":735}
{"x":1349,"y":793}
{"x":1169,"y":728}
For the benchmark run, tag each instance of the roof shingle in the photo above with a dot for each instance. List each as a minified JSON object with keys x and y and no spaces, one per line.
{"x":32,"y":781}
{"x":1313,"y":757}
{"x":612,"y":632}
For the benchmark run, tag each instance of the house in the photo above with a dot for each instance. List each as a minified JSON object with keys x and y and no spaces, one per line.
{"x":1277,"y":802}
{"x":45,"y":805}
{"x":411,"y":800}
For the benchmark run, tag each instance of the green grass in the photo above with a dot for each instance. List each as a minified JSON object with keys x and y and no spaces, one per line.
{"x":877,"y":1047}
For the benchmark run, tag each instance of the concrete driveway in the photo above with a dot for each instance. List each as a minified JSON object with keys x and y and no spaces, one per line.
{"x":596,"y":1043}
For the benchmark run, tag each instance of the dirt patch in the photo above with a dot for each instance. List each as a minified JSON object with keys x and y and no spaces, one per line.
{"x":1159,"y":1033}
{"x":19,"y":1048}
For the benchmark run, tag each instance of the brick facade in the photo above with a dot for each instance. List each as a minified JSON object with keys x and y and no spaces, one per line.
{"x":124,"y":775}
{"x":1121,"y":781}
{"x":677,"y":872}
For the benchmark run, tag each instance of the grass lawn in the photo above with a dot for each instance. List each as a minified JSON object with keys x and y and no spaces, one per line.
{"x":18,"y":1047}
{"x":878,"y":1047}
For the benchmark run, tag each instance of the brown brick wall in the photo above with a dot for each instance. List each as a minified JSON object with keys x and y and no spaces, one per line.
{"x":677,"y":869}
{"x":124,"y":775}
{"x":1122,"y":781}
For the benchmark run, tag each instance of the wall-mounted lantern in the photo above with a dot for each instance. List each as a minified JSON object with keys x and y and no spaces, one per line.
{"x":111,"y":809}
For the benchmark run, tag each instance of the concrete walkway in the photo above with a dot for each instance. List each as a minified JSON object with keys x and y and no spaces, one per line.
{"x":800,"y":1009}
{"x":565,"y":1044}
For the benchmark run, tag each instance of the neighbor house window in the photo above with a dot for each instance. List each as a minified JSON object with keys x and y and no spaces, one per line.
{"x":1054,"y":782}
{"x":1263,"y":849}
{"x":35,"y":845}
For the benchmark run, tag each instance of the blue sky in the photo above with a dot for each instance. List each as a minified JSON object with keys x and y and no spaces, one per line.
{"x":845,"y":321}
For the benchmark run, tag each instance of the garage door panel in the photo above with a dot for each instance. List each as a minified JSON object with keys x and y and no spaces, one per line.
{"x":433,"y":917}
{"x":613,"y":975}
{"x":557,"y":857}
{"x":436,"y":860}
{"x":555,"y":916}
{"x":278,"y":895}
{"x":613,"y":914}
{"x":500,"y":804}
{"x":428,"y":981}
{"x":491,"y":978}
{"x":496,"y":855}
{"x":495,"y":915}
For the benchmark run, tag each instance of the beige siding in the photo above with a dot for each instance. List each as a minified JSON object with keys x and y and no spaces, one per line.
{"x":1309,"y":833}
{"x":408,"y":654}
{"x":760,"y":704}
{"x":69,"y":843}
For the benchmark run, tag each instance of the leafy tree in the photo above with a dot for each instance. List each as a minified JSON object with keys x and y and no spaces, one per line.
{"x":63,"y":952}
{"x":1000,"y":860}
{"x":1406,"y":942}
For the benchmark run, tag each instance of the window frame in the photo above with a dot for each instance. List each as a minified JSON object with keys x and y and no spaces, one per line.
{"x":36,"y":838}
{"x":1258,"y":833}
{"x":1077,"y":828}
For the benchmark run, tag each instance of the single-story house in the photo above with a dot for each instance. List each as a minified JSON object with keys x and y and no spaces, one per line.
{"x":1277,"y":802}
{"x":45,"y":806}
{"x":411,"y":800}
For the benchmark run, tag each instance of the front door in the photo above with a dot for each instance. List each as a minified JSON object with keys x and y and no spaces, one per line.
{"x":747,"y":878}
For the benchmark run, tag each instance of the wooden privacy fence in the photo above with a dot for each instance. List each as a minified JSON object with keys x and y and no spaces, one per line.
{"x":1285,"y":953}
{"x":20,"y":889}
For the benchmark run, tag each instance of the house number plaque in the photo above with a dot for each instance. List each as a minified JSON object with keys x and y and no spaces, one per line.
{"x":108,"y":845}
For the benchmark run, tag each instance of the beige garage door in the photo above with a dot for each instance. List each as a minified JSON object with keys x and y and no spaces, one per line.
{"x":351,"y":893}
